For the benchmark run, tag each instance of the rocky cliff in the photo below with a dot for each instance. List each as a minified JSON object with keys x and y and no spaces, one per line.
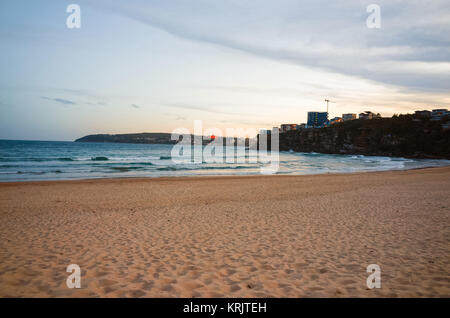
{"x":399,"y":136}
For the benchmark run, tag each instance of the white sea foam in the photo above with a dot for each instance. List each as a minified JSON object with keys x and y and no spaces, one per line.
{"x":65,"y":160}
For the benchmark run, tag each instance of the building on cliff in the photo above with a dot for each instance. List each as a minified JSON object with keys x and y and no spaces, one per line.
{"x":438,"y":114}
{"x":369,"y":115}
{"x":288,"y":127}
{"x":317,"y":119}
{"x":423,"y":113}
{"x":336,"y":120}
{"x":346,"y":117}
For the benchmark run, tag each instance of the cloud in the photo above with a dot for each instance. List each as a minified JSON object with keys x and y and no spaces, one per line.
{"x":331,"y":36}
{"x":84,"y":96}
{"x":60,"y":100}
{"x":135,"y":106}
{"x":213,"y":109}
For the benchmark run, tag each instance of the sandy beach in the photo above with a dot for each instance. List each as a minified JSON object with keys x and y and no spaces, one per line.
{"x":263,"y":236}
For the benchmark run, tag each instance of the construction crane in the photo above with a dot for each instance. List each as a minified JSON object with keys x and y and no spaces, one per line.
{"x":328,"y":101}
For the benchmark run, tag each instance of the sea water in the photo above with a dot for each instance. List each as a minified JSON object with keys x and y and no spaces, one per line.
{"x":49,"y":160}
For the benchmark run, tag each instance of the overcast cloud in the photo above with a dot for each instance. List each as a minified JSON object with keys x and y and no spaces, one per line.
{"x":412,"y":48}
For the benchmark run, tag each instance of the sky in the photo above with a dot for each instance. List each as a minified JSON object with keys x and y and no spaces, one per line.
{"x":154,"y":66}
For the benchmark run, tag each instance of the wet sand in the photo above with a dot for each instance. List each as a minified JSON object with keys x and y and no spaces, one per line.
{"x":263,"y":236}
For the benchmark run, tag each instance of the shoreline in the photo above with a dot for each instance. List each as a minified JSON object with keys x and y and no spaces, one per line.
{"x":200,"y":177}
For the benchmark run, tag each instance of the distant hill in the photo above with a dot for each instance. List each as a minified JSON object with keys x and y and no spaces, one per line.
{"x":140,"y":138}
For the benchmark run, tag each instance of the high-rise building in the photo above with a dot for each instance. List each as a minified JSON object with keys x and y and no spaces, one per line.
{"x":317,"y":119}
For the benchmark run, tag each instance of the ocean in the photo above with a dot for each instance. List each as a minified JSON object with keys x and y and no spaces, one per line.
{"x":49,"y":160}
